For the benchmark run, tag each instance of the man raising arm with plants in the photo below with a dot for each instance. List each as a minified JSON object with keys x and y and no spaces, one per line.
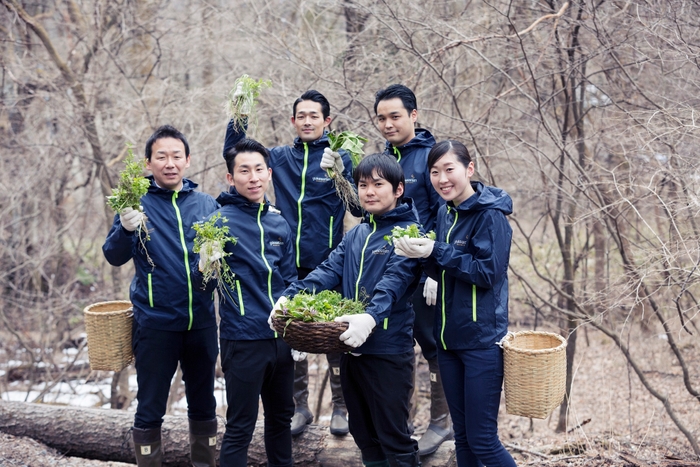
{"x":307,"y":198}
{"x":172,"y":323}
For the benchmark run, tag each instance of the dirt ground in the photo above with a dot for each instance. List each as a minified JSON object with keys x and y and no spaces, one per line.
{"x":613,"y":420}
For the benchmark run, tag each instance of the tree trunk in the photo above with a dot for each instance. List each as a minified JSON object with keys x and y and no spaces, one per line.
{"x":104,"y":434}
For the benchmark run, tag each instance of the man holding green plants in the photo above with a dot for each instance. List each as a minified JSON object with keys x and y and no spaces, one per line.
{"x":257,"y":363}
{"x":307,"y":198}
{"x":172,"y":323}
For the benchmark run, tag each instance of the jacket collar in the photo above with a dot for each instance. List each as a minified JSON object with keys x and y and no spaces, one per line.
{"x":423,"y":139}
{"x":187,"y":186}
{"x":321,"y":142}
{"x":485,"y":197}
{"x":404,"y":212}
{"x":234,"y":198}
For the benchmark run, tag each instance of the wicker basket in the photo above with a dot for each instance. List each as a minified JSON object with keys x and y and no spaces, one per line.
{"x":108,"y":326}
{"x":312,"y":337}
{"x":534,"y":365}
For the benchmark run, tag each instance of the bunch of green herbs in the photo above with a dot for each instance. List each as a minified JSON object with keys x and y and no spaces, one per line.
{"x":242,"y":107}
{"x":324,"y":306}
{"x":132,"y":186}
{"x":412,"y":231}
{"x":352,"y":143}
{"x":211,"y":237}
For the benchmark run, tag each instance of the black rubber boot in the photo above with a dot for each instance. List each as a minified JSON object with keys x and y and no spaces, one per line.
{"x":339,"y":419}
{"x":302,"y":415}
{"x":147,"y":447}
{"x":203,"y":443}
{"x":440,"y":428}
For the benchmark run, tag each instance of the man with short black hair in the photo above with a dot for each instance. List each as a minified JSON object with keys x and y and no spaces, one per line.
{"x":397,"y":113}
{"x":172,"y":323}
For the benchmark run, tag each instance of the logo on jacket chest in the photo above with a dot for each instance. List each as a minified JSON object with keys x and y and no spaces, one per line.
{"x":411,"y":179}
{"x":461,"y":242}
{"x":321,"y":179}
{"x":381,"y":251}
{"x":278,"y":242}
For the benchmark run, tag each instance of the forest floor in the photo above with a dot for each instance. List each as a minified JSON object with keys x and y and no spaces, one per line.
{"x":613,"y":420}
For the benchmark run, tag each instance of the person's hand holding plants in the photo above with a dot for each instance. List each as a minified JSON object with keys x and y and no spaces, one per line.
{"x":359,"y":328}
{"x":331,"y":160}
{"x":413,"y":247}
{"x":209,"y":252}
{"x":131,"y":218}
{"x":277,"y":308}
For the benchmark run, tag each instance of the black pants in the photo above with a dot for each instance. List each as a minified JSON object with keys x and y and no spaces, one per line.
{"x":376,"y":390}
{"x":424,"y":323}
{"x":157,"y":354}
{"x":253,"y":370}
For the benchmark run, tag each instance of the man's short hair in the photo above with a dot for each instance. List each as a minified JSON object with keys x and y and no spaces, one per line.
{"x":386,"y":166}
{"x":246,"y":145}
{"x":397,"y":90}
{"x":166,"y":131}
{"x":315,"y":96}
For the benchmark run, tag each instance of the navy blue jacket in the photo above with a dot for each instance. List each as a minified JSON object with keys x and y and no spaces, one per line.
{"x":413,"y":158}
{"x":262,"y":261}
{"x":368,"y":269}
{"x":470,"y":263}
{"x":163,"y":295}
{"x":306,"y":196}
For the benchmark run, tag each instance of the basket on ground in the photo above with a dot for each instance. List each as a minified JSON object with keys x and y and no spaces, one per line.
{"x":534,"y":367}
{"x":312,"y":337}
{"x":108,"y":327}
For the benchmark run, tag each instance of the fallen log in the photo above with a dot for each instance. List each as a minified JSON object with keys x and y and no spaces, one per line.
{"x":104,"y":434}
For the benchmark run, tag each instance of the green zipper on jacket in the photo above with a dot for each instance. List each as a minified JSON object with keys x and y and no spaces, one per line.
{"x":362,"y":257}
{"x":397,"y":153}
{"x":262,"y":253}
{"x":474,"y":303}
{"x":442,"y":278}
{"x":239,"y":291}
{"x":301,"y":197}
{"x":185,"y":258}
{"x":150,"y":289}
{"x":330,"y":234}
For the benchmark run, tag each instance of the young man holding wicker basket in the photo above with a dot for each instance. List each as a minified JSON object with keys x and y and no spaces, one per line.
{"x":376,"y":376}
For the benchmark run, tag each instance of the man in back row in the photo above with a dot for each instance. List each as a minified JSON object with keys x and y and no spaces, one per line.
{"x":397,"y":113}
{"x":307,"y":199}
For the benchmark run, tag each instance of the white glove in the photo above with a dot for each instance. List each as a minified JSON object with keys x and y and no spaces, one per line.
{"x":277,"y":307}
{"x":131,"y":218}
{"x":359,"y":329}
{"x":413,"y":247}
{"x":430,"y":291}
{"x":332,"y":160}
{"x":298,"y":356}
{"x":245,"y":105}
{"x":210,"y":252}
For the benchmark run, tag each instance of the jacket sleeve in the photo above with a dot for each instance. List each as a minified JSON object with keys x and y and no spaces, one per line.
{"x":487,"y":260}
{"x":233,"y":135}
{"x":119,"y":244}
{"x":399,"y":274}
{"x":325,"y":276}
{"x":347,"y":173}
